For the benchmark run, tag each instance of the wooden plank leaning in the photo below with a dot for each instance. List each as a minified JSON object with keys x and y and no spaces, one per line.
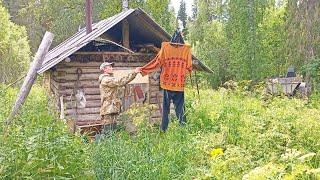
{"x":32,"y":75}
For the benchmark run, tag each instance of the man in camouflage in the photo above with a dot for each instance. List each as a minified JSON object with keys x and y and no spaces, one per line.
{"x":109,"y":85}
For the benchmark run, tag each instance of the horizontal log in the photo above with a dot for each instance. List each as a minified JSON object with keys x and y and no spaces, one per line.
{"x":58,"y":73}
{"x":73,"y":70}
{"x":79,"y":64}
{"x":111,"y":53}
{"x":83,"y":111}
{"x":75,"y":77}
{"x":86,"y":117}
{"x":113,"y":57}
{"x":127,"y":58}
{"x":66,"y":98}
{"x":84,"y":83}
{"x":87,"y":91}
{"x":89,"y":122}
{"x":91,"y":103}
{"x":85,"y":70}
{"x":60,"y":81}
{"x":119,"y":64}
{"x":96,"y":65}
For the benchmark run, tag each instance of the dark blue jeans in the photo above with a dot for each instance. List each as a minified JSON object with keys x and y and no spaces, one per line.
{"x":178,"y":101}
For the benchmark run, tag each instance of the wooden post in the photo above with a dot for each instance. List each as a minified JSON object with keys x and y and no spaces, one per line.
{"x":195,"y":73}
{"x":61,"y":108}
{"x":88,"y":16}
{"x":32,"y":74}
{"x":125,"y":26}
{"x":125,"y":34}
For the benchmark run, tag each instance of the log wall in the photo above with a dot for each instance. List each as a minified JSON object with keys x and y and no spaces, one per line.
{"x":64,"y":80}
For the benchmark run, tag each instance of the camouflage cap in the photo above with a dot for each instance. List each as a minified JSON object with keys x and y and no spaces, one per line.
{"x":105,"y":64}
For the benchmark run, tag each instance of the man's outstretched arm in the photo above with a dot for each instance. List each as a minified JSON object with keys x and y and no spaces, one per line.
{"x":113,"y":81}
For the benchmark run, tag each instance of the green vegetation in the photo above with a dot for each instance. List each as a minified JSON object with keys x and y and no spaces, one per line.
{"x":236,"y":132}
{"x":231,"y":134}
{"x":37,"y":145}
{"x":254,"y":39}
{"x":64,"y":17}
{"x":14,"y":48}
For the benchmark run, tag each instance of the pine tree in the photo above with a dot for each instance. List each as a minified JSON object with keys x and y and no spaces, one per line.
{"x":194,"y":10}
{"x":182,"y":15}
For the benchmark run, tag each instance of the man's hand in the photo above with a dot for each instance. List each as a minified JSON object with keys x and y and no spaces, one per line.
{"x":137,"y":70}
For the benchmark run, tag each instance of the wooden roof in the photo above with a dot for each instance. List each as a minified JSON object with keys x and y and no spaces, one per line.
{"x":141,"y":25}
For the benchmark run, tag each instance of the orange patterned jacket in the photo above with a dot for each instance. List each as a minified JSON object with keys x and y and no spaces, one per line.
{"x":175,"y":62}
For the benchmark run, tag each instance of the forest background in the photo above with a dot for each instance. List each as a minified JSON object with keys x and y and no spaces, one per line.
{"x":239,"y":40}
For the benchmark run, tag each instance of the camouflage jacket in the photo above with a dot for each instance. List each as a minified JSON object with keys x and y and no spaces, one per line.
{"x":109,"y":85}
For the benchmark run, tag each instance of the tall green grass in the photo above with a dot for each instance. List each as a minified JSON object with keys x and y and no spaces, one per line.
{"x":37,"y":145}
{"x":258,"y":136}
{"x":230,"y":134}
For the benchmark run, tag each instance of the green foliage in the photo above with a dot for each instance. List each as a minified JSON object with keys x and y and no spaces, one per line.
{"x":213,"y":49}
{"x":209,"y":38}
{"x":108,"y":8}
{"x":259,"y":140}
{"x":157,"y":9}
{"x":244,"y":23}
{"x":161,"y":13}
{"x":37,"y":145}
{"x":312,"y":69}
{"x":14,"y":48}
{"x":64,"y":17}
{"x":255,"y":135}
{"x":260,"y":38}
{"x":231,"y":133}
{"x":302,"y":32}
{"x":194,"y":9}
{"x":61,"y":17}
{"x":271,"y":34}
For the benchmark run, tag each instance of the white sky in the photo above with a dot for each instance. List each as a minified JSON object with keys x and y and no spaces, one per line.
{"x":176,"y":5}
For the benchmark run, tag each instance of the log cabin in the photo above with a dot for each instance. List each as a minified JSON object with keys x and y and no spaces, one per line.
{"x":130,"y":39}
